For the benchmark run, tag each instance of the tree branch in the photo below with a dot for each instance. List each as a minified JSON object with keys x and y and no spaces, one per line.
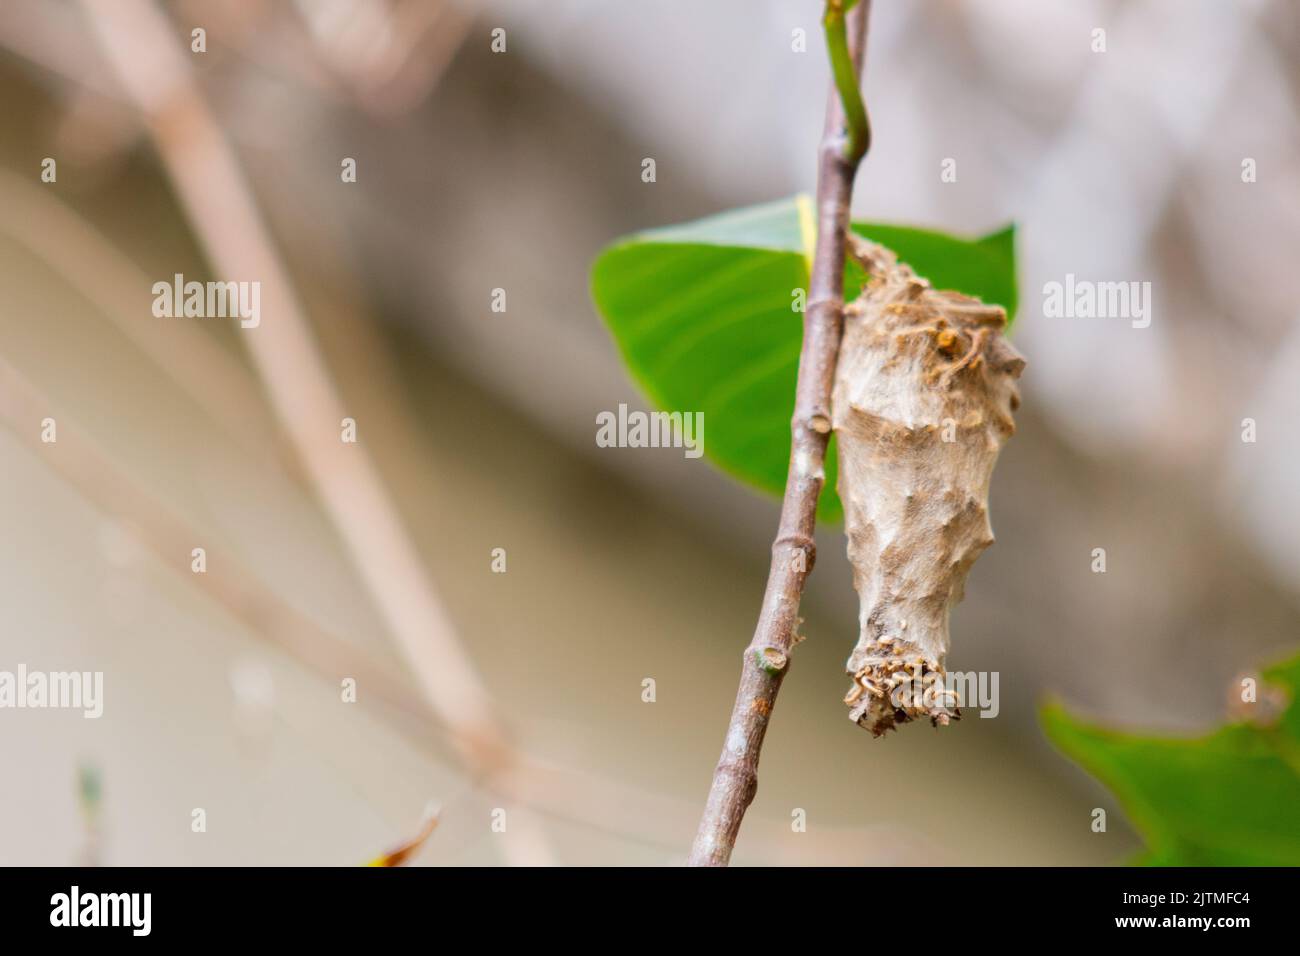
{"x":766,"y":659}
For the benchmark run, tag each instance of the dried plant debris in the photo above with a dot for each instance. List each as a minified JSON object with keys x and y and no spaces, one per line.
{"x":924,"y":393}
{"x":403,"y":852}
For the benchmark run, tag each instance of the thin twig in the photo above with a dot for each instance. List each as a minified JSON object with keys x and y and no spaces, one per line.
{"x":845,"y":72}
{"x":767,"y":658}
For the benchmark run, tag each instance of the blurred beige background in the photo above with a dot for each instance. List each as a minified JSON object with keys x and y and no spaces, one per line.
{"x":479,"y":170}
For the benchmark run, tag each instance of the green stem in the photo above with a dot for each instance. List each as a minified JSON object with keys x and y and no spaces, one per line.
{"x":857,"y":130}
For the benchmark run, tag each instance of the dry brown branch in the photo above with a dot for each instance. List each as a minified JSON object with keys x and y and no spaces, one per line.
{"x":767,"y":658}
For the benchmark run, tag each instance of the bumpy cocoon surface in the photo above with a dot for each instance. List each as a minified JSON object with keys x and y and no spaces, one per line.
{"x":924,"y":391}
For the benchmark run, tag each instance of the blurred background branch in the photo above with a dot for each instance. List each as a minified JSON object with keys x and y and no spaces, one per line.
{"x":223,"y":214}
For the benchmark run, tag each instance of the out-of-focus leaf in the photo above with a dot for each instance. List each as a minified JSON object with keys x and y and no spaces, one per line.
{"x":702,"y":314}
{"x":1230,"y":798}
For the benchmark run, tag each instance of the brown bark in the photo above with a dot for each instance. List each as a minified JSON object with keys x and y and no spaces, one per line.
{"x":767,"y":658}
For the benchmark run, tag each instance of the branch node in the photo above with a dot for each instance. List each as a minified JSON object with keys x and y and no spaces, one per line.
{"x":771,"y":660}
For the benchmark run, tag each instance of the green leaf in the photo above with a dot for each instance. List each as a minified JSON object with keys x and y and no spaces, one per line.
{"x":1231,"y":798}
{"x":702,"y":314}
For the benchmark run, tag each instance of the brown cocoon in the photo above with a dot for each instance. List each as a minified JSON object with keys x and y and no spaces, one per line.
{"x":924,"y":391}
